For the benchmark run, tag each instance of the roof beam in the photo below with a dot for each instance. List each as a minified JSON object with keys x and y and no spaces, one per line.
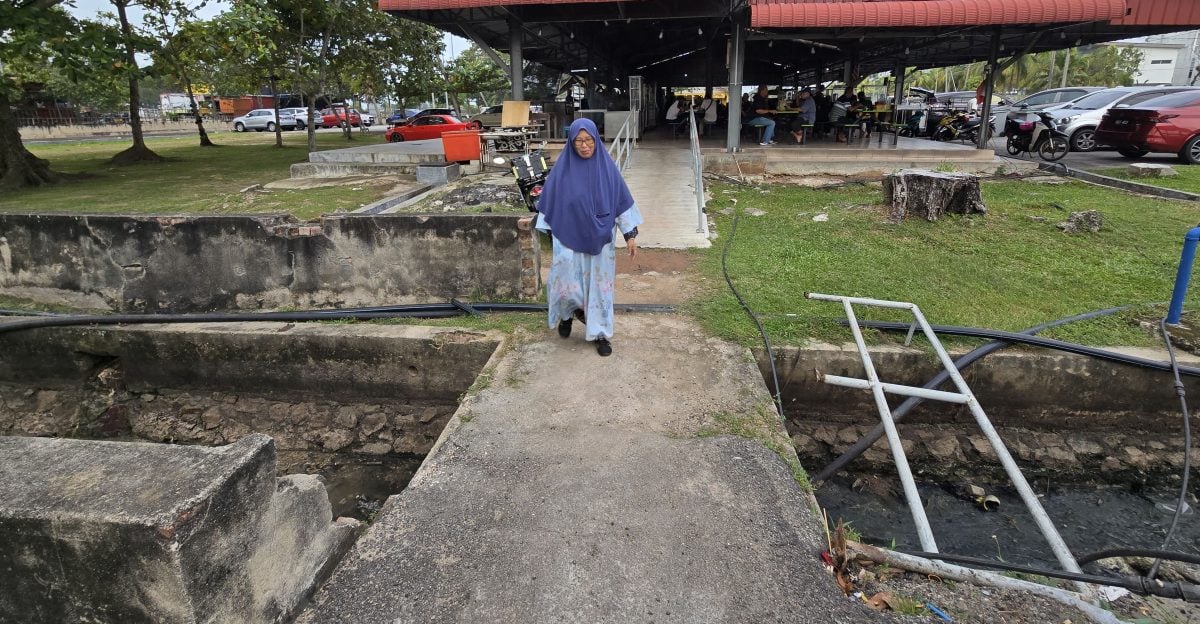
{"x":487,"y":49}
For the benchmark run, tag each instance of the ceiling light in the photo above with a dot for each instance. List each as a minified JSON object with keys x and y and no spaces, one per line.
{"x":660,"y":34}
{"x":771,"y":43}
{"x":572,"y":34}
{"x":539,"y":32}
{"x":606,"y":22}
{"x":1062,"y":34}
{"x":812,"y":50}
{"x":699,"y":31}
{"x":906,"y":50}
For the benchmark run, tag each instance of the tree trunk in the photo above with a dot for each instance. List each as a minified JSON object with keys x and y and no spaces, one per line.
{"x":138,"y":152}
{"x":275,"y":107}
{"x":931,"y":194}
{"x":321,"y":67}
{"x":204,"y":140}
{"x":18,"y":167}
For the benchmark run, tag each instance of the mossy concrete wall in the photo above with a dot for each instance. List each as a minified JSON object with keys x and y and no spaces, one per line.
{"x":362,"y":388}
{"x":205,"y":263}
{"x":1065,"y":416}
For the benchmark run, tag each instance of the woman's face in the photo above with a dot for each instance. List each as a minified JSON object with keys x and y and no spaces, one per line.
{"x":585,"y":144}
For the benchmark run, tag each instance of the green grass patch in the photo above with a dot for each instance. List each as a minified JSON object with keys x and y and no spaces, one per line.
{"x":192,"y":180}
{"x":1009,"y":269}
{"x":1187,"y":180}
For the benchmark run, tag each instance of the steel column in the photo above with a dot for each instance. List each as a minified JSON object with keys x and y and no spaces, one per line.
{"x":515,"y":54}
{"x":989,"y":81}
{"x":736,"y":62}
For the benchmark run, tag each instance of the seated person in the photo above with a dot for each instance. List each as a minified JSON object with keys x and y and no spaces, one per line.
{"x":762,"y":111}
{"x":674,"y":110}
{"x":709,"y":109}
{"x":807,"y":116}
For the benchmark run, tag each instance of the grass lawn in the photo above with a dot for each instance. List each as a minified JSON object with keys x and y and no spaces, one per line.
{"x":1005,"y":270}
{"x":1187,"y":180}
{"x":193,"y":180}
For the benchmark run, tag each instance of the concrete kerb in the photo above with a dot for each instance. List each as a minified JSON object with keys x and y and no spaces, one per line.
{"x":395,"y":200}
{"x":1124,"y":185}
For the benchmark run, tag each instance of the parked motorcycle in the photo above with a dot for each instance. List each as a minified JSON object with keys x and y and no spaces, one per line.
{"x":912,"y":127}
{"x":531,"y":171}
{"x":959,"y":125}
{"x":1040,"y":136}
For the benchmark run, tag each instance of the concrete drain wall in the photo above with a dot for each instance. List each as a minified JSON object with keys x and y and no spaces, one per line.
{"x":202,"y":263}
{"x":1069,"y":417}
{"x":360,"y":404}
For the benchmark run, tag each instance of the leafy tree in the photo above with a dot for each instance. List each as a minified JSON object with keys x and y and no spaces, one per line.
{"x":473,"y":73}
{"x":40,"y":31}
{"x":170,"y":21}
{"x":132,"y":42}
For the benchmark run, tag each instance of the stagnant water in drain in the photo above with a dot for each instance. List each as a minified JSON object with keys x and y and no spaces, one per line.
{"x":358,"y":489}
{"x":1089,"y":518}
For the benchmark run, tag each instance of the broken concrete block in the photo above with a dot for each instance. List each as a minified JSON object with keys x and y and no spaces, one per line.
{"x":1152,"y":170}
{"x":131,"y":532}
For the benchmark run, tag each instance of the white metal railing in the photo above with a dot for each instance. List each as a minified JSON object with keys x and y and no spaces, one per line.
{"x":623,"y":144}
{"x":963,"y":396}
{"x":697,"y":170}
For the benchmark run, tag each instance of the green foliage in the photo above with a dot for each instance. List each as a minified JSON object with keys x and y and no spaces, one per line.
{"x":473,"y":73}
{"x":1102,"y":65}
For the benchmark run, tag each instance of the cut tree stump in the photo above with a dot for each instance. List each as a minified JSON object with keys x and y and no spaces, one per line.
{"x":931,"y":194}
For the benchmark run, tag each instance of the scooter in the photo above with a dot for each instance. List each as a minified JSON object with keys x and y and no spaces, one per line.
{"x":955,"y":126}
{"x":912,"y":127}
{"x":970,"y":134}
{"x":1040,"y":136}
{"x":531,"y":171}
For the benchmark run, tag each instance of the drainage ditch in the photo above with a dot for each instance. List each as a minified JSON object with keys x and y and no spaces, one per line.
{"x":358,"y":405}
{"x":1100,"y":443}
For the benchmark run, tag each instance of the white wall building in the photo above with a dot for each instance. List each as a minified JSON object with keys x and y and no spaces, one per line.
{"x":1167,"y":59}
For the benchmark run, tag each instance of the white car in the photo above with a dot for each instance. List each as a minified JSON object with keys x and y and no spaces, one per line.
{"x":299,"y":114}
{"x":261,"y":119}
{"x":1050,"y":99}
{"x":367,"y":118}
{"x":1080,"y":118}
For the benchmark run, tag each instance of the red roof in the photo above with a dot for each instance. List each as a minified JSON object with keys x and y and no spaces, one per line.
{"x":900,"y":13}
{"x":426,"y":5}
{"x":1162,"y":13}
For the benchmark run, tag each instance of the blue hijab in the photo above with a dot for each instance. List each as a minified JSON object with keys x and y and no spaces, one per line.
{"x":583,"y":197}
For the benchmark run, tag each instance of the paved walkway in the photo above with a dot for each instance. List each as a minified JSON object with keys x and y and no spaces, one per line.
{"x":661,"y":180}
{"x":576,"y":488}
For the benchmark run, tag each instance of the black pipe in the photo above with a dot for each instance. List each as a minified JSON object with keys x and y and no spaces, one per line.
{"x":1059,"y":345}
{"x":754,"y":317}
{"x":961,"y":363}
{"x":416,"y":310}
{"x":1187,"y":445}
{"x":1136,"y":584}
{"x":1138,"y":552}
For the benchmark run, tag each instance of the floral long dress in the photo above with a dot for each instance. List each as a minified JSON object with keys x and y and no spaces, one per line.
{"x":580,"y":281}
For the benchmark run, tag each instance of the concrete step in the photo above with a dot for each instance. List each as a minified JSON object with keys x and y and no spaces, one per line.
{"x":336,"y":169}
{"x":393,"y":153}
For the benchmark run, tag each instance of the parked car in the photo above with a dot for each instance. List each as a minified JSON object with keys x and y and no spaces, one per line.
{"x":261,"y":119}
{"x":334,"y":119}
{"x":401,"y":115}
{"x":425,"y":127}
{"x":1169,"y":123}
{"x":1050,"y":99}
{"x":300,"y":114}
{"x":489,"y":117}
{"x":436,"y":111}
{"x":1080,"y":118}
{"x":367,"y":118}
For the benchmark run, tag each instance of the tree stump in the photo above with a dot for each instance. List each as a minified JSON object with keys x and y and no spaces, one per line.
{"x":931,"y":194}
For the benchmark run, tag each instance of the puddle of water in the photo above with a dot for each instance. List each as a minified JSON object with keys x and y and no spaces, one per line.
{"x":358,"y":488}
{"x":1089,"y":518}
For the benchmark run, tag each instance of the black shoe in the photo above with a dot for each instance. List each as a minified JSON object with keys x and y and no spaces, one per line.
{"x":603,"y":346}
{"x":579,"y":315}
{"x":564,"y":328}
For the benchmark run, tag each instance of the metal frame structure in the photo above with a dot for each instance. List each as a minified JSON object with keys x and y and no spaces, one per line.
{"x":622,"y":146}
{"x":697,"y":170}
{"x":963,"y":396}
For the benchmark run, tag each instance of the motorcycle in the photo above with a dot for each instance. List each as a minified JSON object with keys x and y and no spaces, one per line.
{"x":531,"y":171}
{"x":959,"y":125}
{"x":1040,"y":136}
{"x":912,"y":127}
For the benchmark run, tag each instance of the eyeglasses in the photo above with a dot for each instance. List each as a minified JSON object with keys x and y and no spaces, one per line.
{"x":587,"y":142}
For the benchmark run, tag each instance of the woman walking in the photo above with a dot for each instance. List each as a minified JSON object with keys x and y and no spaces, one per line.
{"x":584,"y":199}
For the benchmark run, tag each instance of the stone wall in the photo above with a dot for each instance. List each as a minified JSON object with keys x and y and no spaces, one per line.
{"x":123,"y":532}
{"x":205,"y":263}
{"x":1064,"y":416}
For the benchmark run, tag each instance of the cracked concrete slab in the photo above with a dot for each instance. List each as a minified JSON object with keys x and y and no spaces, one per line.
{"x":575,"y":488}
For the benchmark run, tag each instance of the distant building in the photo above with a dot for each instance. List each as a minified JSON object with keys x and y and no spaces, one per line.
{"x":1169,"y":59}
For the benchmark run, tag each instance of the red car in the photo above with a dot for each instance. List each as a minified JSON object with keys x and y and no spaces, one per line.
{"x":333,"y":118}
{"x":1170,"y":124}
{"x":425,"y":127}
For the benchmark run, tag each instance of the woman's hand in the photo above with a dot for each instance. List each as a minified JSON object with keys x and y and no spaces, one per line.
{"x":632,"y":245}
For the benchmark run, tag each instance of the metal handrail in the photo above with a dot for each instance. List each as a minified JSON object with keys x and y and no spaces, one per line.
{"x":962,"y":396}
{"x":697,"y":170}
{"x":623,"y":144}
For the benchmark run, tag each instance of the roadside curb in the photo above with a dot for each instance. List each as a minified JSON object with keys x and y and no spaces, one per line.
{"x":1125,"y":185}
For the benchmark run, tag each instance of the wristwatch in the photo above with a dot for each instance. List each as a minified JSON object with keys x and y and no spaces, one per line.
{"x":631,"y":234}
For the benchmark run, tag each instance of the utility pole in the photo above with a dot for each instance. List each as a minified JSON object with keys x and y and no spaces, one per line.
{"x":1066,"y":68}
